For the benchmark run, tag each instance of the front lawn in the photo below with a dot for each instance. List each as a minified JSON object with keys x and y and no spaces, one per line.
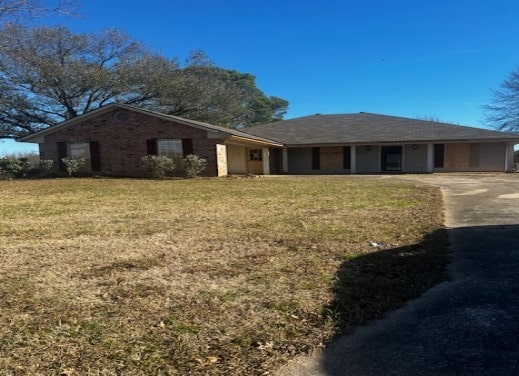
{"x":201,"y":277}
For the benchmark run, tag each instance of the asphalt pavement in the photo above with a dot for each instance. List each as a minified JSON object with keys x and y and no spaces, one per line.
{"x":466,"y":326}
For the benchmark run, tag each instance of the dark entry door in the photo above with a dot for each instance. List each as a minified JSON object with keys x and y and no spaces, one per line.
{"x":391,"y":158}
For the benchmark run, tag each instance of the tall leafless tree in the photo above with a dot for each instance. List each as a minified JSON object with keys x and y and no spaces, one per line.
{"x":503,"y":112}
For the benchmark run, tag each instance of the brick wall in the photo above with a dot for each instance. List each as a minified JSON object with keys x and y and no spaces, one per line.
{"x":123,"y":144}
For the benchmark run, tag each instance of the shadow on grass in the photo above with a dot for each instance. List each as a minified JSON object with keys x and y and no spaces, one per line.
{"x":369,"y":286}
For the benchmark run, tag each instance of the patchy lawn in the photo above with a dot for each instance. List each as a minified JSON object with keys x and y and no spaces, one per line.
{"x":201,"y":277}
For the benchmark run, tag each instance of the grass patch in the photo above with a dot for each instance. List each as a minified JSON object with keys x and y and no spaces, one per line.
{"x":202,"y":277}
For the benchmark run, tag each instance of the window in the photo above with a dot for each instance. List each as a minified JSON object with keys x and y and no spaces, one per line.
{"x":255,"y":155}
{"x":391,"y":158}
{"x":171,"y":148}
{"x":78,"y":150}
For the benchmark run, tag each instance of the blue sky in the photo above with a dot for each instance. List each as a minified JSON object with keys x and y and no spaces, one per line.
{"x":398,"y":57}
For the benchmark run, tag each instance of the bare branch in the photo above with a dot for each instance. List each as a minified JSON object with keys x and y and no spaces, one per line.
{"x":49,"y":74}
{"x":15,"y":10}
{"x":503,"y":112}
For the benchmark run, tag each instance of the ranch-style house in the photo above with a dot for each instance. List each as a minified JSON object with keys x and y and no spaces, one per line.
{"x":114,"y":138}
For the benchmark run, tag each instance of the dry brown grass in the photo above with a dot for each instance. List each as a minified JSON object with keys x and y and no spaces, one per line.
{"x":210,"y":276}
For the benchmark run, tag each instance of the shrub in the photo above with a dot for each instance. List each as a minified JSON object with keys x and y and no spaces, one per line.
{"x":72,"y":165}
{"x":194,"y":165}
{"x":12,"y":167}
{"x":159,"y":165}
{"x":46,"y":164}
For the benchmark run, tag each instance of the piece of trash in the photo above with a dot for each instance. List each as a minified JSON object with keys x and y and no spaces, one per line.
{"x":379,"y":245}
{"x":404,"y":254}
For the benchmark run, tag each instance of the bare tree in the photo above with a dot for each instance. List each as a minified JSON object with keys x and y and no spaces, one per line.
{"x":50,"y":74}
{"x":15,"y":10}
{"x":503,"y":112}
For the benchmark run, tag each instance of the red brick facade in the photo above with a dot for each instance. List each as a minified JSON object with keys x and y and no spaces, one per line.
{"x":122,"y":144}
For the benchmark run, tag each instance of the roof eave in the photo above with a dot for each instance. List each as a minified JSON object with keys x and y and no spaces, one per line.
{"x":256,"y":141}
{"x":40,"y":134}
{"x":403,"y":142}
{"x":38,"y":137}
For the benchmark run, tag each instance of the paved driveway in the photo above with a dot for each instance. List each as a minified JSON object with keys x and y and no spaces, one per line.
{"x":468,"y":326}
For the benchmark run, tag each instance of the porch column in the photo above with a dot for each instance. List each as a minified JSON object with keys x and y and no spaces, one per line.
{"x":509,"y":161}
{"x":284,"y":159}
{"x":221,"y":160}
{"x":353,"y":159}
{"x":430,"y":158}
{"x":266,"y":161}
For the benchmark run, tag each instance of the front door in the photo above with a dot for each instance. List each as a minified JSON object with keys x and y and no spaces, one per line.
{"x":391,"y":158}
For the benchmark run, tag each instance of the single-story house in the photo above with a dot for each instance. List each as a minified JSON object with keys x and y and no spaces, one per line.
{"x":114,"y":138}
{"x":371,"y":143}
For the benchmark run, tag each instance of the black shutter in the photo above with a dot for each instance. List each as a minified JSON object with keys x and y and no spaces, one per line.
{"x":151,"y":147}
{"x":95,"y":156}
{"x":316,"y":158}
{"x":62,"y":153}
{"x":346,"y":151}
{"x":439,"y":153}
{"x":187,"y":146}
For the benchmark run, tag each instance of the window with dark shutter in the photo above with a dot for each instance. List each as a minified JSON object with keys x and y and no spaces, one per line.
{"x":170,"y":147}
{"x":187,"y":146}
{"x":95,"y":156}
{"x":316,"y":158}
{"x":151,"y":147}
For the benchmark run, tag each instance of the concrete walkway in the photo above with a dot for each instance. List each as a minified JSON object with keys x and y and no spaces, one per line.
{"x":468,"y":326}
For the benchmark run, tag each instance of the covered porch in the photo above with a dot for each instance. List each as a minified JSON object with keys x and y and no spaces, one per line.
{"x":474,"y":156}
{"x":239,"y":156}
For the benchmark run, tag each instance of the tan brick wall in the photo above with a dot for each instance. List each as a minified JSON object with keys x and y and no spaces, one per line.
{"x":331,"y":158}
{"x":123,"y":144}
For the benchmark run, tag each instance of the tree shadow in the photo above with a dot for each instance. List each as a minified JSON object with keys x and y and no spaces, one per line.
{"x":369,"y":286}
{"x":465,"y":326}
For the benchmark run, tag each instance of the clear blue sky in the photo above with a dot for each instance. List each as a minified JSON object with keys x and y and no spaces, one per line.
{"x":397,"y":57}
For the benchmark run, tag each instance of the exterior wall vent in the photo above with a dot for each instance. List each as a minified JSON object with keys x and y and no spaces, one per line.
{"x":121,"y":116}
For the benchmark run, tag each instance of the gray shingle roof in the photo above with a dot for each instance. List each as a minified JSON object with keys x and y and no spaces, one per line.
{"x":369,"y":128}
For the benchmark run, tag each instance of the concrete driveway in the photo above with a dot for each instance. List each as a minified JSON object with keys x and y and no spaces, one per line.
{"x":467,"y":326}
